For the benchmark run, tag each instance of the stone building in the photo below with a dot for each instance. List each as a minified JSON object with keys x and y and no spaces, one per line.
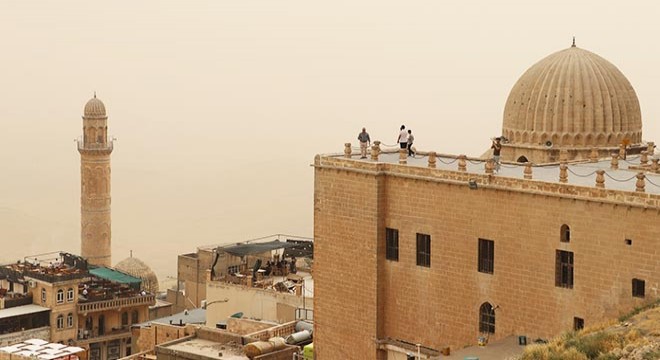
{"x":439,"y":250}
{"x":95,"y":150}
{"x":59,"y":298}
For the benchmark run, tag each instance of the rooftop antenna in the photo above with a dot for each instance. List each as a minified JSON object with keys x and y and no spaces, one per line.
{"x":571,"y":46}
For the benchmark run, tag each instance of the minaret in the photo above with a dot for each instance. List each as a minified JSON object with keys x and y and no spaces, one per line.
{"x":95,"y":150}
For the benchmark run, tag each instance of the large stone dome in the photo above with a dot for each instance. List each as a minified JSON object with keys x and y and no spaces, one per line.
{"x":571,"y":99}
{"x":94,"y":108}
{"x":136,"y":267}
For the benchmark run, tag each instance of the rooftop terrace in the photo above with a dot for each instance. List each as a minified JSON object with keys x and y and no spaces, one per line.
{"x":604,"y":179}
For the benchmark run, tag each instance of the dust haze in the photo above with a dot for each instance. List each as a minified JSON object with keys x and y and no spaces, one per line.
{"x":219,"y":107}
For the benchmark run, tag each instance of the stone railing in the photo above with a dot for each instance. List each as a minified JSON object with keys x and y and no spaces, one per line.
{"x":94,"y":306}
{"x":636,"y":196}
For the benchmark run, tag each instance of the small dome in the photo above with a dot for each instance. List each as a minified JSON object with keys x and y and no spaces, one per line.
{"x":94,"y":108}
{"x":136,"y":267}
{"x":573,"y":98}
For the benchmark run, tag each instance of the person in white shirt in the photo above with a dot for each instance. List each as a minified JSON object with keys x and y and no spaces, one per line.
{"x":403,"y":138}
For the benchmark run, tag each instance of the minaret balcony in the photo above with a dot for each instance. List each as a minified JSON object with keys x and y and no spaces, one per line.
{"x":100,"y":147}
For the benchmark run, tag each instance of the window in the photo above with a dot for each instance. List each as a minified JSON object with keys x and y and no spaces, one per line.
{"x":392,"y":244}
{"x":565,"y":233}
{"x":69,"y":320}
{"x":424,"y":250}
{"x":60,"y":322}
{"x":124,"y":318}
{"x":578,"y":324}
{"x":60,"y":296}
{"x":134,"y":317}
{"x":231,"y":270}
{"x":487,"y":318}
{"x":629,"y":242}
{"x":638,"y":288}
{"x":43,"y":295}
{"x":486,"y":256}
{"x":564,"y":269}
{"x":69,"y":295}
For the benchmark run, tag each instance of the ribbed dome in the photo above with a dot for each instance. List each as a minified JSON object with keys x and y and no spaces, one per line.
{"x":135,"y":267}
{"x":573,"y":98}
{"x":94,"y":108}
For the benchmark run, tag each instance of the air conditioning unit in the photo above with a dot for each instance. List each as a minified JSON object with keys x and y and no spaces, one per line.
{"x":32,"y":283}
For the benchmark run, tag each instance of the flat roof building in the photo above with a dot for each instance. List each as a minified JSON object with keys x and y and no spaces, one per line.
{"x":440,"y":250}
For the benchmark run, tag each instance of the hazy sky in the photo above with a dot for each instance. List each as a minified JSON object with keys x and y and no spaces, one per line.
{"x":220,"y":106}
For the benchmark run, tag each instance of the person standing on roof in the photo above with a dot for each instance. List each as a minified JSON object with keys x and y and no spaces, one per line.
{"x":497,"y":147}
{"x":411,"y":138}
{"x":365,"y":141}
{"x":403,"y":137}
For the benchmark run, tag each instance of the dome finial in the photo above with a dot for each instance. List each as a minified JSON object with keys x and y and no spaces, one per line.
{"x":573,"y":42}
{"x":95,"y":90}
{"x":131,"y":252}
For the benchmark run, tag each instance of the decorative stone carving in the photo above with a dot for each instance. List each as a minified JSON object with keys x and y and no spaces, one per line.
{"x":347,"y":150}
{"x":527,"y":173}
{"x":640,"y":184}
{"x":563,"y":173}
{"x":600,"y":178}
{"x":403,"y":156}
{"x":432,"y":159}
{"x":614,"y":164}
{"x":462,"y":164}
{"x":375,"y":150}
{"x":489,"y":166}
{"x":644,"y":159}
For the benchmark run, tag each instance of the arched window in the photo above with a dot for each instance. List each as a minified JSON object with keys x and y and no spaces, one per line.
{"x":60,"y":322}
{"x":43,"y":295}
{"x":124,"y":318}
{"x":487,"y":318}
{"x":134,"y":317}
{"x":522,"y":159}
{"x":565,"y":235}
{"x":69,"y":295}
{"x":69,"y":320}
{"x":60,"y":296}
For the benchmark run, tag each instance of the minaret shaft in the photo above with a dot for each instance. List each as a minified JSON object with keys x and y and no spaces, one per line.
{"x":95,"y":150}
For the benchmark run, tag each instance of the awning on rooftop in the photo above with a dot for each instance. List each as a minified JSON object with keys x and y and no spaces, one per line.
{"x":114,"y":275}
{"x":256,"y":248}
{"x":22,"y":310}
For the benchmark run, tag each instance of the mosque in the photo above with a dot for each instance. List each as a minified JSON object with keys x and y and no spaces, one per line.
{"x":95,"y":237}
{"x":436,"y":252}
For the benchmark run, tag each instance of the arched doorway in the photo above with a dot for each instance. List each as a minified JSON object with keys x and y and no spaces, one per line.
{"x":487,"y":318}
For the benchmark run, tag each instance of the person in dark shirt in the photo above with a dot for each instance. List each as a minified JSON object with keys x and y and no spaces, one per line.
{"x":497,"y":147}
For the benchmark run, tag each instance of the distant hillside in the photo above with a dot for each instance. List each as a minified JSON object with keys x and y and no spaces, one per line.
{"x":635,"y":337}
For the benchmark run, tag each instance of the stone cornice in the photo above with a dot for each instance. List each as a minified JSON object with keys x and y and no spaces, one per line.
{"x":499,"y":183}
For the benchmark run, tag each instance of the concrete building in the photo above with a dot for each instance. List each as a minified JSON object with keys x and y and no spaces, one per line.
{"x":193,"y":268}
{"x":95,"y":150}
{"x":57,"y":297}
{"x":439,"y":250}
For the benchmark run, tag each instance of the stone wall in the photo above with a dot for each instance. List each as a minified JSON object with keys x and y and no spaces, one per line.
{"x":42,"y":333}
{"x":146,"y":338}
{"x":362,"y":297}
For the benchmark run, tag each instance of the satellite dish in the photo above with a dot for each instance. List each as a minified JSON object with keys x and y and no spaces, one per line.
{"x":548,"y":144}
